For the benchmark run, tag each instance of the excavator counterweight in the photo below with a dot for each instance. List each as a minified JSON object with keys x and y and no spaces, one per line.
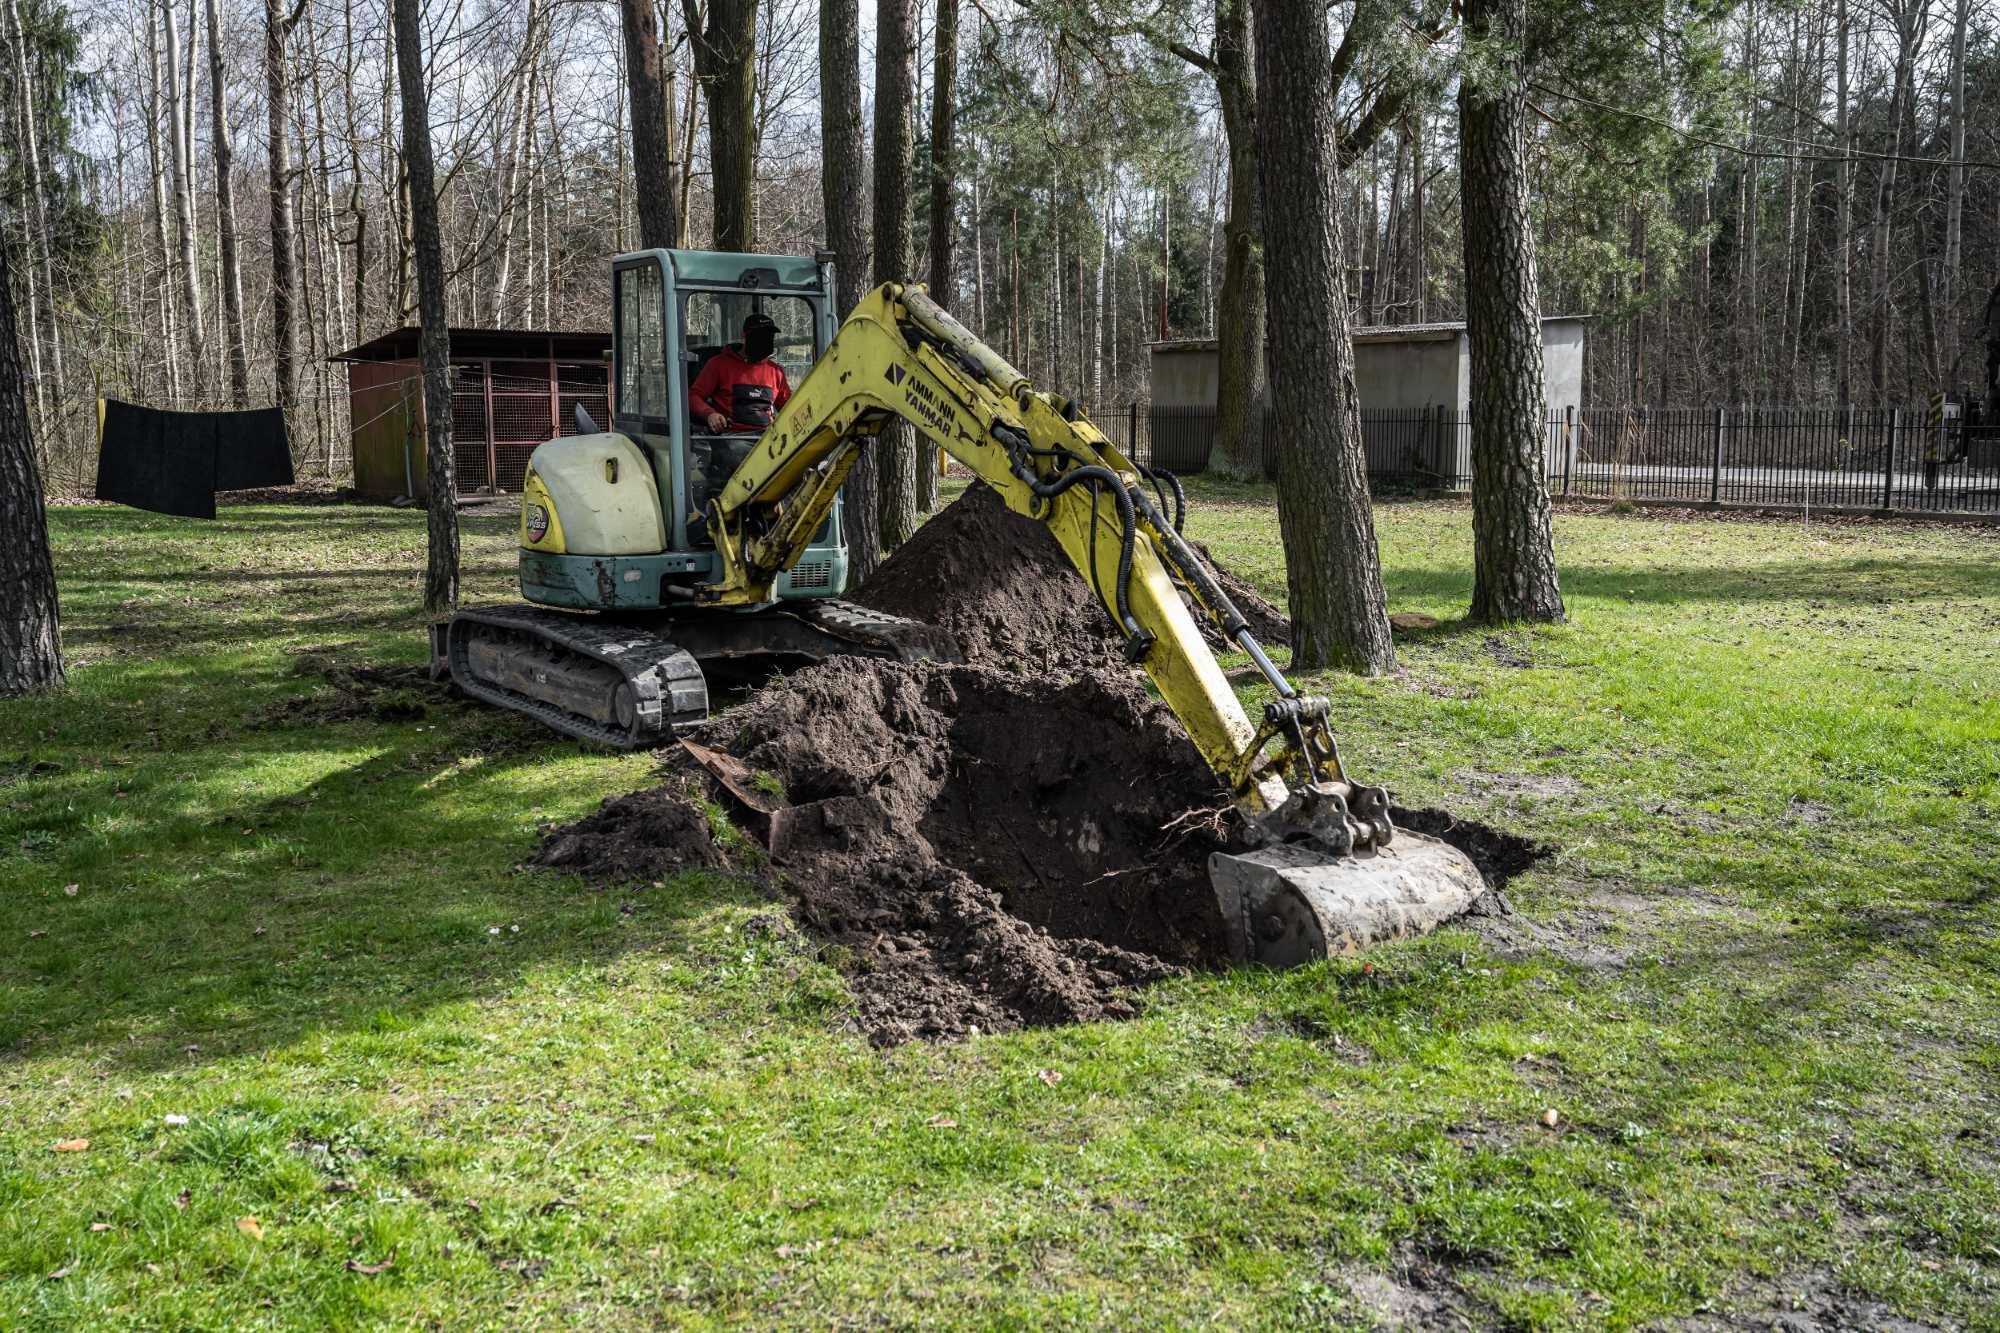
{"x":714,"y":554}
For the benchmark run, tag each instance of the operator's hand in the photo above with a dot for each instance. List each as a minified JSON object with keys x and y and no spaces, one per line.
{"x":716,"y":421}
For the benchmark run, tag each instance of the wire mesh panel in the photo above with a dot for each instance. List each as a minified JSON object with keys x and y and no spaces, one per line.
{"x":469,"y":432}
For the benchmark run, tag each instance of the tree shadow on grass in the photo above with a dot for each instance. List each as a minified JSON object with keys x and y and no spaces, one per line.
{"x":1863,"y":582}
{"x":204,"y":931}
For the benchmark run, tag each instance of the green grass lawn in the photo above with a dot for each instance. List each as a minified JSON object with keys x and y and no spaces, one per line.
{"x":1757,"y":985}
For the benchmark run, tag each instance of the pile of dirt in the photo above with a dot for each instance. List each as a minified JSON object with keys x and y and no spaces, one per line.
{"x":647,"y":835}
{"x":993,"y":852}
{"x":1000,"y":585}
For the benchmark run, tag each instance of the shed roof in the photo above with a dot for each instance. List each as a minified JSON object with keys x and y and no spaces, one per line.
{"x":473,"y":343}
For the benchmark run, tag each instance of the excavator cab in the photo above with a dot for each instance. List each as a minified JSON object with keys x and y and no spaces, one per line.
{"x":615,"y":519}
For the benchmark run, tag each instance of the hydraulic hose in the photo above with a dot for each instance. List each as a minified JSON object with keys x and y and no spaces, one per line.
{"x":1138,"y":639}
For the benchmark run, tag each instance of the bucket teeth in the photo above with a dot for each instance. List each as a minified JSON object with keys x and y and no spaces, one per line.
{"x":1288,"y":904}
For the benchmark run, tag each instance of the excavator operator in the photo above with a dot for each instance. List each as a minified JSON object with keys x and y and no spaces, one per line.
{"x":741,"y":388}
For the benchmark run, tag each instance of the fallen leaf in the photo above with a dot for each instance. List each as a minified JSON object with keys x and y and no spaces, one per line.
{"x":941,"y":1122}
{"x":339,"y":1186}
{"x":373,"y":1270}
{"x":801,"y":1250}
{"x":175,"y":1121}
{"x":250,"y":1227}
{"x":100,"y":1226}
{"x":154,"y":1269}
{"x":1050,"y":1076}
{"x":182,"y":1200}
{"x":72,"y":1145}
{"x":1552,"y":1117}
{"x":62,"y":1272}
{"x":642,"y":1138}
{"x":69,"y":890}
{"x":36,"y":934}
{"x":556,"y":1204}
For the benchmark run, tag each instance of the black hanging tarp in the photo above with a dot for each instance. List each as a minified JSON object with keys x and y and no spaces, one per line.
{"x":175,"y":462}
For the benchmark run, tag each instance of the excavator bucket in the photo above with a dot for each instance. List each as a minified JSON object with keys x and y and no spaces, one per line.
{"x":1290,"y":903}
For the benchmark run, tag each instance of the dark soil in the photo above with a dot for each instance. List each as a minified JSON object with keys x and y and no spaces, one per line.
{"x":355,"y":691}
{"x":1498,"y":854}
{"x":993,"y":852}
{"x":1000,"y":585}
{"x":647,"y":835}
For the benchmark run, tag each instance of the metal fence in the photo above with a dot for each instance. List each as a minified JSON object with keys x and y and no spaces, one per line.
{"x":501,"y":410}
{"x":1880,"y":459}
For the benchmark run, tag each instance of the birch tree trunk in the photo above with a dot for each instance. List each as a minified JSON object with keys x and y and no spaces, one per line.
{"x":843,"y":183}
{"x":434,"y":343}
{"x":284,"y":271}
{"x":1513,"y":550}
{"x":225,"y":216}
{"x":1844,"y":219}
{"x":895,"y":75}
{"x":30,"y":645}
{"x":182,"y":189}
{"x":1333,"y":571}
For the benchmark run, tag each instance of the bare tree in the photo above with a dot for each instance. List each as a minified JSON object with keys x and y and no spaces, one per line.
{"x":895,"y":75}
{"x":843,"y":183}
{"x":225,"y":215}
{"x":944,"y":202}
{"x":1513,"y":552}
{"x":1333,"y":571}
{"x":652,"y":134}
{"x":278,"y":25}
{"x":434,"y":343}
{"x":30,"y":645}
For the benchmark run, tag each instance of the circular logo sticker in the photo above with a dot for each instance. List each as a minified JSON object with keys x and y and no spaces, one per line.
{"x":538,"y":522}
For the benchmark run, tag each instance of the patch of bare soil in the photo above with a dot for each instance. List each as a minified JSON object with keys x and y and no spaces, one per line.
{"x":354,"y":691}
{"x":645,"y":835}
{"x":992,"y":852}
{"x":1810,"y":1302}
{"x":1001,"y":586}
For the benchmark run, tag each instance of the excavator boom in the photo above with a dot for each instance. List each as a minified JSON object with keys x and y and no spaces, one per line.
{"x":1327,"y":872}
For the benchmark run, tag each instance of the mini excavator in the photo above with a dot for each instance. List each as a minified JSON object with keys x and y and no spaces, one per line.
{"x":652,"y":552}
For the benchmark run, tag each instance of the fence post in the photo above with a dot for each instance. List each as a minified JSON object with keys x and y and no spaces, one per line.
{"x":1132,"y":430}
{"x":1889,"y":459}
{"x":1715,"y":472}
{"x":1569,"y":445}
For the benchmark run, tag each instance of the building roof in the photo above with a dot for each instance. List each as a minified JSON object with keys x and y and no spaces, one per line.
{"x":475,"y":344}
{"x":1437,"y":331}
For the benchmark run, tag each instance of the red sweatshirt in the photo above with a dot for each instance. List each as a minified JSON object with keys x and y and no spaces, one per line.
{"x":746,"y":392}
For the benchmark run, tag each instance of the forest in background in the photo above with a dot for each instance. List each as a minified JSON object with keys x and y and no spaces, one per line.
{"x":1756,"y":203}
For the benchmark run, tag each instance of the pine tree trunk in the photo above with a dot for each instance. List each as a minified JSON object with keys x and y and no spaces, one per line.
{"x":1514,"y":563}
{"x":284,"y":271}
{"x":1239,"y":323}
{"x":725,"y":63}
{"x":652,"y":151}
{"x":1333,"y":571}
{"x":895,"y":77}
{"x":434,"y":343}
{"x":30,"y":647}
{"x":843,"y":184}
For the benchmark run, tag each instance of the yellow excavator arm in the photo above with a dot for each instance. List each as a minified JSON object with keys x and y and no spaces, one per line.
{"x":901,"y":356}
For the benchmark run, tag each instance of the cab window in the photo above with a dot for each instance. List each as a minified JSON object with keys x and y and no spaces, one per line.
{"x":711,"y":321}
{"x":642,"y":350}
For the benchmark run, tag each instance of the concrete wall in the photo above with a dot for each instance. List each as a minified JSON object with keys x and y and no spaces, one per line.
{"x":1409,"y":374}
{"x":1391,"y":373}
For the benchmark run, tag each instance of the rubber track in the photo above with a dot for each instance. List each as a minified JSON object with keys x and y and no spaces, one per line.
{"x":668,"y":681}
